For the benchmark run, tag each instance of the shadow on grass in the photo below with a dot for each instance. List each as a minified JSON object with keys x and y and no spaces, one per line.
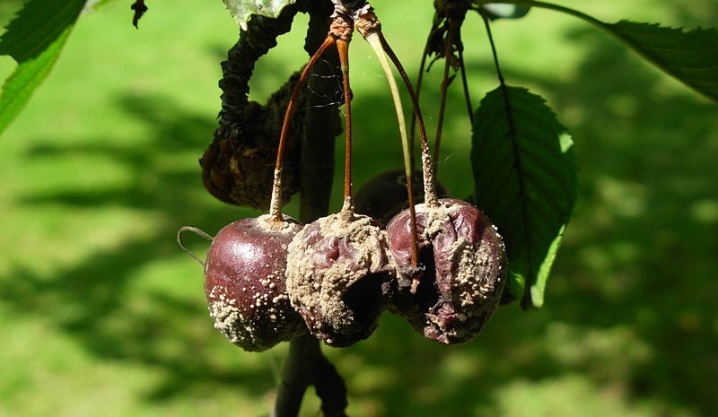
{"x":98,"y":301}
{"x":650,"y":211}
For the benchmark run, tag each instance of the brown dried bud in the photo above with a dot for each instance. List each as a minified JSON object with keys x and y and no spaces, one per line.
{"x":238,"y":166}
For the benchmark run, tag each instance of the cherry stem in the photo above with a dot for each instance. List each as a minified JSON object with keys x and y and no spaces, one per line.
{"x":343,"y":49}
{"x":198,"y":232}
{"x":420,"y":79}
{"x":453,"y":38}
{"x":465,"y":86}
{"x":374,"y":39}
{"x":444,"y":89}
{"x":430,"y":197}
{"x":275,"y":205}
{"x":369,"y":26}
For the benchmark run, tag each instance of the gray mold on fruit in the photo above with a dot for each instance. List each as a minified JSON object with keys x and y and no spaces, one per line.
{"x":245,"y":283}
{"x":464,"y":270}
{"x":339,"y":276}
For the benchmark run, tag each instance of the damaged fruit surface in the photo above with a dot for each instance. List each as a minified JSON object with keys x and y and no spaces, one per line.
{"x":339,"y":276}
{"x":245,"y":283}
{"x":462,"y":270}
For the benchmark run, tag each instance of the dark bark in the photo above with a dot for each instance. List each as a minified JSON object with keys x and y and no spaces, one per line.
{"x":305,"y":364}
{"x":238,"y":166}
{"x":261,"y":36}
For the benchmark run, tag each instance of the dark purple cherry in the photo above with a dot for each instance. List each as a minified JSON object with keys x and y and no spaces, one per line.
{"x":244,"y":283}
{"x":462,"y":270}
{"x":339,"y":276}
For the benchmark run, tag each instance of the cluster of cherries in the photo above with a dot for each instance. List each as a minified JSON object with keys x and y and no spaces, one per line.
{"x":268,"y":280}
{"x":440,"y":264}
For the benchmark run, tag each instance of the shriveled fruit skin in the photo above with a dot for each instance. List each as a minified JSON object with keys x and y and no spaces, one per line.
{"x":464,"y":271}
{"x":238,"y":166}
{"x":244,"y":283}
{"x":339,"y":277}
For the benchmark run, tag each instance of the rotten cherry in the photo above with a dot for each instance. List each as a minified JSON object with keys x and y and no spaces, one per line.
{"x":456,"y":285}
{"x":339,"y":277}
{"x":244,"y":283}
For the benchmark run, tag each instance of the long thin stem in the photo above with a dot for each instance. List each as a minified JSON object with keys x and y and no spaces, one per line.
{"x":494,"y":53}
{"x":465,"y":82}
{"x":526,"y":301}
{"x":374,"y":39}
{"x":321,"y":119}
{"x":343,"y":49}
{"x":444,"y":90}
{"x":198,"y":232}
{"x":369,"y":27}
{"x":275,"y":205}
{"x":440,"y":120}
{"x":555,"y":7}
{"x":419,"y":82}
{"x":430,"y":197}
{"x":375,"y":42}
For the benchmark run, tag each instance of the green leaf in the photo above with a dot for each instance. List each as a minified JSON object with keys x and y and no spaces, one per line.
{"x":526,"y":182}
{"x":242,"y":10}
{"x":691,"y":57}
{"x":34,"y":39}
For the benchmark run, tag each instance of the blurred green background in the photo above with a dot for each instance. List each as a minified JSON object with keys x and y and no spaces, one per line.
{"x":101,"y":314}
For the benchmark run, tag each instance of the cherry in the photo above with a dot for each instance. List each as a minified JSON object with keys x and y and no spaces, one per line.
{"x":244,"y":283}
{"x":462,"y":270}
{"x":339,"y":276}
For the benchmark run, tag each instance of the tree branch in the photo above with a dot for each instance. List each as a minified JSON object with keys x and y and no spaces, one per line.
{"x":305,"y":364}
